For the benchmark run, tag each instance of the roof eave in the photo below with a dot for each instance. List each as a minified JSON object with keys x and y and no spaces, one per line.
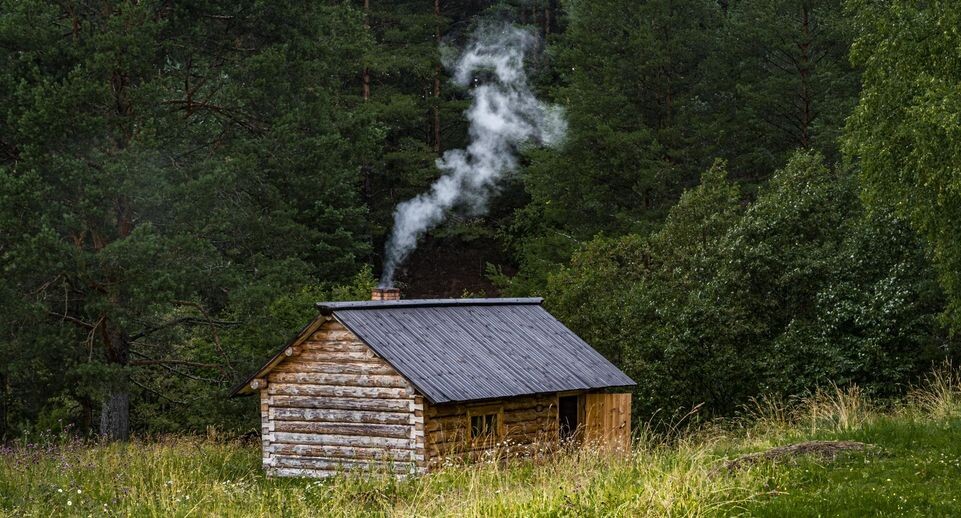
{"x":328,"y":308}
{"x":528,"y":394}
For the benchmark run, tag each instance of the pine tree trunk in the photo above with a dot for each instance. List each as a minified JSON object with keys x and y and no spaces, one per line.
{"x":115,"y":416}
{"x":115,"y":410}
{"x":87,"y":413}
{"x":547,"y":18}
{"x":3,"y":407}
{"x":366,"y":84}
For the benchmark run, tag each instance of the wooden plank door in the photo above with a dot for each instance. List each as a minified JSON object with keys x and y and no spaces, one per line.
{"x":608,"y":422}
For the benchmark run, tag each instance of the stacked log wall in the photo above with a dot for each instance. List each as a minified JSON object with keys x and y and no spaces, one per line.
{"x":334,"y":405}
{"x":529,"y":426}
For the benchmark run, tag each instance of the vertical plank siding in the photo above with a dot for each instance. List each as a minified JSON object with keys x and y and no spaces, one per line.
{"x":529,"y":426}
{"x":335,"y":405}
{"x":608,"y":422}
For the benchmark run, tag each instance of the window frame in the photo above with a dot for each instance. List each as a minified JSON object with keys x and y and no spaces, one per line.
{"x":497,"y":411}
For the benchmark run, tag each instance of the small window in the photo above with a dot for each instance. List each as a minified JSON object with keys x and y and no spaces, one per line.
{"x":483,"y":425}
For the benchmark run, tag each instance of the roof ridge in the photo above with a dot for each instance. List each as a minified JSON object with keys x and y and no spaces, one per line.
{"x":327,"y":308}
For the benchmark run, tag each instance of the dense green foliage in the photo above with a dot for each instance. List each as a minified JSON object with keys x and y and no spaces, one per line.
{"x":158,"y":190}
{"x":179,"y":181}
{"x":799,"y":289}
{"x":906,"y":131}
{"x":656,"y":91}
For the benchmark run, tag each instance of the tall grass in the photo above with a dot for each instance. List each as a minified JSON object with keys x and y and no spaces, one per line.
{"x":836,"y":409}
{"x":827,"y":409}
{"x":177,"y":476}
{"x":940,"y":393}
{"x":194,"y":476}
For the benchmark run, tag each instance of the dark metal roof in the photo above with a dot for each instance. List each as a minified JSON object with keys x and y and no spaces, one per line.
{"x":473,"y":349}
{"x":326,"y":308}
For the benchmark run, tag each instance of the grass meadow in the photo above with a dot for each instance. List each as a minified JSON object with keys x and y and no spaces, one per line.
{"x":912,"y":467}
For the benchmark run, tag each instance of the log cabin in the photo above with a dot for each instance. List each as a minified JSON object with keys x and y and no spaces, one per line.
{"x":405,"y":385}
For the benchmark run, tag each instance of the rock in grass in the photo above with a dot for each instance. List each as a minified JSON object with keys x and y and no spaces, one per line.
{"x":823,"y":449}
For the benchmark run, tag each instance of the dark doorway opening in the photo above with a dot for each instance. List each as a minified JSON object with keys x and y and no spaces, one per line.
{"x":567,"y":413}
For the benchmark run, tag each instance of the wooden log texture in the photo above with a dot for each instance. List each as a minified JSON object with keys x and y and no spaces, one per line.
{"x":346,"y":403}
{"x":510,"y":418}
{"x":335,"y":367}
{"x":538,"y":404}
{"x":338,"y":346}
{"x":375,"y":430}
{"x":332,"y":332}
{"x":530,"y":426}
{"x":339,"y":416}
{"x":338,"y":440}
{"x":418,"y":435}
{"x":343,"y":452}
{"x":336,"y":405}
{"x":340,"y":391}
{"x":316,"y":473}
{"x":340,"y":464}
{"x":347,"y":380}
{"x":343,"y":356}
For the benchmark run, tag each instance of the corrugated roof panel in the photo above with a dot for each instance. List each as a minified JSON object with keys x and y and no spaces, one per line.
{"x":491,"y":348}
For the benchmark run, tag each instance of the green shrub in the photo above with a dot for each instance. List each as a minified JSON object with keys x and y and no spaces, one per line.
{"x":728,"y":301}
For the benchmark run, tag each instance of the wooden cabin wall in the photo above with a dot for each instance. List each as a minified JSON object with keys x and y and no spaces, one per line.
{"x":608,"y":422}
{"x":528,"y":425}
{"x":336,"y":405}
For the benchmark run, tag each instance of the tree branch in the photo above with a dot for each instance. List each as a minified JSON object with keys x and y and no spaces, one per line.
{"x":166,"y":365}
{"x":181,"y":321}
{"x":213,"y":330}
{"x":188,"y":363}
{"x":157,"y":393}
{"x":68,"y":318}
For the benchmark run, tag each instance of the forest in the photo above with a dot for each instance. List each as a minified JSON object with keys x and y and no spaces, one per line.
{"x":752,"y":197}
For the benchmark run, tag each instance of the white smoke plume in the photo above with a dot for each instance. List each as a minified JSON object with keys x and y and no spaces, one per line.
{"x":504,"y":114}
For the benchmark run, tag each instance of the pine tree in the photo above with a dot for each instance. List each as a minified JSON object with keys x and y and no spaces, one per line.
{"x":627,"y":71}
{"x":157,"y":157}
{"x":777,"y":80}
